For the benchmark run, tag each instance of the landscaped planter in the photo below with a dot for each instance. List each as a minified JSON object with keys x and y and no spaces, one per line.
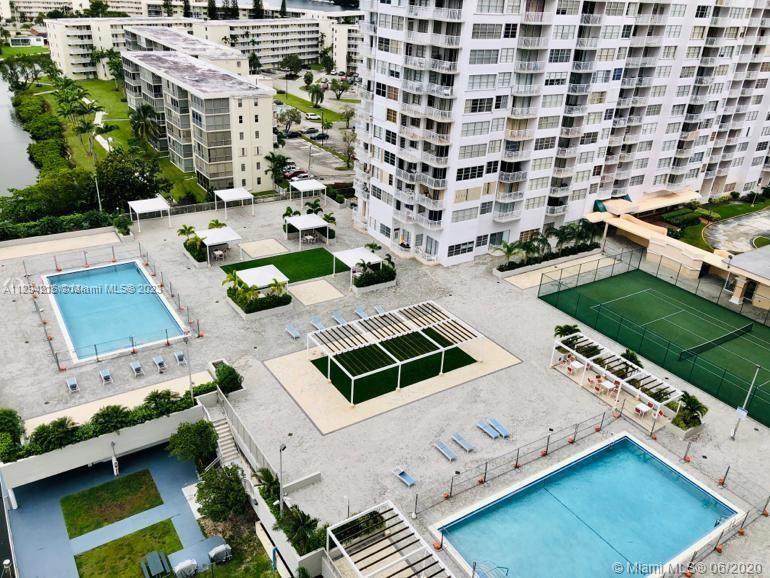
{"x":258,"y":314}
{"x":196,"y":264}
{"x":543,"y":265}
{"x":333,"y":203}
{"x":689,"y":433}
{"x":370,"y":288}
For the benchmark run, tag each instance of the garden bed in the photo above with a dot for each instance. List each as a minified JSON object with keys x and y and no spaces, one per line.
{"x":297,"y":266}
{"x":375,"y":287}
{"x":282,"y":305}
{"x":521,"y":267}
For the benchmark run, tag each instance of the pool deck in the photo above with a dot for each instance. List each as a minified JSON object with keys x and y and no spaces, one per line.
{"x":23,"y":250}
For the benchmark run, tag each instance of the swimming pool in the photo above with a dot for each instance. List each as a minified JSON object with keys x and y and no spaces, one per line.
{"x":107,"y":309}
{"x":618,"y":504}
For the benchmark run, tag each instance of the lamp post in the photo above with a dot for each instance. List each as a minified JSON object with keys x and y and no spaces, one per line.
{"x":745,"y":404}
{"x":189,"y":367}
{"x":280,"y":478}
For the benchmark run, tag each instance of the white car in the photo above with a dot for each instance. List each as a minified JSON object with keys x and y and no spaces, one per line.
{"x":304,"y":177}
{"x":312,"y":116}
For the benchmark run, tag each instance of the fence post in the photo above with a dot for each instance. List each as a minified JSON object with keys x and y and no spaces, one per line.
{"x":451,"y":489}
{"x":486,"y":468}
{"x":723,"y":479}
{"x":85,"y":259}
{"x":742,"y":527}
{"x":96,"y":352}
{"x":721,"y":381}
{"x":161,"y":279}
{"x":56,"y":263}
{"x":414,"y":512}
{"x":56,"y":358}
{"x":26,"y":273}
{"x":598,"y":313}
{"x":660,"y":261}
{"x":113,"y":254}
{"x":573,"y":438}
{"x":198,"y":325}
{"x":599,"y":427}
{"x":516,"y":466}
{"x":764,"y":510}
{"x":473,"y":571}
{"x":665,"y":356}
{"x":686,"y":457}
{"x":544,"y":452}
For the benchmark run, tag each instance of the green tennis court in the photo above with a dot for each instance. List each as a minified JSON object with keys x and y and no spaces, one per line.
{"x":712,"y":347}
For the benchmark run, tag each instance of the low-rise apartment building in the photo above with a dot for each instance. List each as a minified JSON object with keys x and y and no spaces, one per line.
{"x":73,"y":40}
{"x":212,"y":121}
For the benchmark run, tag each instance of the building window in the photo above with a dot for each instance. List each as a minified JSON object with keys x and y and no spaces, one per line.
{"x":486,"y":207}
{"x":465,"y":215}
{"x":460,"y":249}
{"x":482,"y":240}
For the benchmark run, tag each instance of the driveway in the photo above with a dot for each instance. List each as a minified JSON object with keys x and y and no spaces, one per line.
{"x":735,"y":235}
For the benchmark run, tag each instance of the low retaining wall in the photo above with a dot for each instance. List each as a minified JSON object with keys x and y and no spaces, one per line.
{"x":370,"y":288}
{"x":57,"y":236}
{"x":544,"y":264}
{"x":257,"y":314}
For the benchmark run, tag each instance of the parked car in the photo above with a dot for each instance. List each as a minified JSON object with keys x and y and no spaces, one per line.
{"x":293,"y":134}
{"x":277,"y":102}
{"x":333,"y":73}
{"x":311,"y":130}
{"x":342,"y":73}
{"x":320,"y":136}
{"x":290,"y":166}
{"x":302,"y":177}
{"x":294,"y":173}
{"x":312,"y":116}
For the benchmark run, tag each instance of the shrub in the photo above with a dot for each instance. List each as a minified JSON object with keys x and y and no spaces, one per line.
{"x":195,"y":442}
{"x":110,"y":418}
{"x":375,"y":276}
{"x":711,"y":215}
{"x":261,"y":303}
{"x":122,"y":224}
{"x":196,"y":248}
{"x":565,"y":252}
{"x":340,"y":198}
{"x":44,"y":126}
{"x":221,"y":494}
{"x":691,"y":412}
{"x":228,"y":378}
{"x":734,"y":195}
{"x":10,"y":423}
{"x":54,"y":435}
{"x":682,"y":217}
{"x":676,"y":233}
{"x":720,"y":201}
{"x":48,"y":154}
{"x":9,"y":450}
{"x":51,"y":225}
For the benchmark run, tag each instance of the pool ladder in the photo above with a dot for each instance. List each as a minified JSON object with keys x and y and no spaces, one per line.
{"x":488,"y":569}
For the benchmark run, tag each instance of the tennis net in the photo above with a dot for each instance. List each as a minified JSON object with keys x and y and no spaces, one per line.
{"x":712,"y":343}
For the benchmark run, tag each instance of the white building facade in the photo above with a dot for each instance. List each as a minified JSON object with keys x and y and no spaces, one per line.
{"x":488,"y":120}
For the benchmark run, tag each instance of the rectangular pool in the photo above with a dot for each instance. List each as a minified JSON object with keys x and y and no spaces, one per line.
{"x":107,"y":309}
{"x":618,"y":504}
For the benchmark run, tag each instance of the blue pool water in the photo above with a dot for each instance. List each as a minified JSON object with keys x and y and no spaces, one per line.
{"x":619,"y":504}
{"x":107,"y":306}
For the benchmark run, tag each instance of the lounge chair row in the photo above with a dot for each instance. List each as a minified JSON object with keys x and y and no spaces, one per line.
{"x":105,"y":374}
{"x":319,"y":325}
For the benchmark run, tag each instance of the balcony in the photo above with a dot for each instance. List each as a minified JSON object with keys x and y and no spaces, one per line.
{"x":532,"y":66}
{"x":436,"y":138}
{"x":591,"y":19}
{"x":513,"y":155}
{"x":611,"y":159}
{"x":587,"y":42}
{"x":510,"y":196}
{"x":556,"y":211}
{"x":426,"y":223}
{"x":537,"y":17}
{"x":407,"y":176}
{"x":516,"y":135}
{"x":409,"y":154}
{"x":562,"y":172}
{"x":523,"y":112}
{"x":507,"y":216}
{"x":517,"y":177}
{"x":431,"y":182}
{"x":571,"y":131}
{"x":415,"y":62}
{"x":533,"y":42}
{"x":634,"y":119}
{"x":650,"y":19}
{"x":437,"y":113}
{"x":579,"y":88}
{"x":439,"y":90}
{"x":405,"y":196}
{"x":559,"y":192}
{"x":619,"y":122}
{"x":583,"y":65}
{"x":567,"y":152}
{"x":431,"y":12}
{"x":442,"y":65}
{"x":526,"y":89}
{"x":626,"y":157}
{"x":429,"y":202}
{"x":575,"y":110}
{"x":444,"y":40}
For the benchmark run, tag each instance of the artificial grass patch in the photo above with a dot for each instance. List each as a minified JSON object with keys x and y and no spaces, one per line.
{"x":297,"y":266}
{"x":115,"y":500}
{"x":120,"y":558}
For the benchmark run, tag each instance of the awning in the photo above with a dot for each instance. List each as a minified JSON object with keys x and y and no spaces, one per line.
{"x":308,"y":186}
{"x":145,"y":206}
{"x":352,"y":257}
{"x":309,"y":222}
{"x":233,"y":195}
{"x":214,"y":237}
{"x":261,"y":277}
{"x":651,"y":202}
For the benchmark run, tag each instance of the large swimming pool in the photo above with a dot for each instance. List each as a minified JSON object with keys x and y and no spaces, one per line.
{"x":619,"y":504}
{"x":106,"y":309}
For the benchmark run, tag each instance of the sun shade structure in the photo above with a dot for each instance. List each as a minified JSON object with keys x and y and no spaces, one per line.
{"x":261,"y":277}
{"x":427,"y":321}
{"x":302,"y":223}
{"x":352,"y":257}
{"x":310,"y":186}
{"x":216,"y":238}
{"x":147,"y":206}
{"x":233,"y":195}
{"x":381,"y":543}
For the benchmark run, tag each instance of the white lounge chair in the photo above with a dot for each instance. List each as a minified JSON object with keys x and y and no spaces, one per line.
{"x":136,"y":367}
{"x":180,"y":357}
{"x":361,"y":312}
{"x":445,"y":450}
{"x":292,"y":331}
{"x":404,"y":477}
{"x":316,"y":322}
{"x":487,"y":429}
{"x":337,"y":316}
{"x":462,"y":442}
{"x":106,"y":376}
{"x":379,"y":310}
{"x":500,"y":428}
{"x":72,"y":384}
{"x":160,"y":363}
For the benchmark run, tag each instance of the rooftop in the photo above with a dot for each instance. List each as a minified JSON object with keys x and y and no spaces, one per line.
{"x":756,"y":261}
{"x":176,"y":39}
{"x":196,"y":76}
{"x":121,"y":20}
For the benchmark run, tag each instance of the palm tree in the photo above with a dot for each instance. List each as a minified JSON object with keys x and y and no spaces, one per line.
{"x":373,"y":247}
{"x":388,"y":261}
{"x":290,"y":212}
{"x":250,"y":293}
{"x":270,"y":483}
{"x":277,"y":287}
{"x":232,"y":279}
{"x":84,"y":109}
{"x":144,"y":122}
{"x":329,"y":218}
{"x":541,"y":244}
{"x":563,"y":236}
{"x":313,"y":207}
{"x":216,"y":224}
{"x":565,"y":330}
{"x":276,"y":165}
{"x":300,"y":528}
{"x":509,"y":250}
{"x":362,"y":266}
{"x":83,"y":126}
{"x":326,"y":125}
{"x":185,"y":231}
{"x":585,"y":231}
{"x":316,"y":93}
{"x":692,"y":406}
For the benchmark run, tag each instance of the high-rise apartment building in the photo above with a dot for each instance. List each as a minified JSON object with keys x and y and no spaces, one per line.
{"x":488,"y":120}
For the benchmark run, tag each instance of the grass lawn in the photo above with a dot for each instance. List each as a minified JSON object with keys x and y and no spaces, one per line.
{"x":120,"y":558}
{"x":249,"y":557}
{"x":11,"y":51}
{"x":102,"y":505}
{"x":734,"y":209}
{"x":305,"y":106}
{"x":351,"y":100}
{"x":297,"y":266}
{"x":761,"y":241}
{"x":693,"y":235}
{"x":316,"y":66}
{"x":182,"y":183}
{"x":105,"y":93}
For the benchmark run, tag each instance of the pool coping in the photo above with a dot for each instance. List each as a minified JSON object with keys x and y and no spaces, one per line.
{"x":117,"y":352}
{"x":679,"y":561}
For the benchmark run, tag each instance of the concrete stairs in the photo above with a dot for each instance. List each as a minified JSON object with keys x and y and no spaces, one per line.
{"x":228,"y":452}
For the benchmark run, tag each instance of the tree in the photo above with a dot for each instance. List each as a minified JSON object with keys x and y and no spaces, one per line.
{"x":300,"y":528}
{"x":326,"y":124}
{"x":307,"y":78}
{"x":125,"y":177}
{"x":85,"y":127}
{"x":235,"y":11}
{"x":565,"y":330}
{"x":289,"y":117}
{"x":254,"y":64}
{"x":216,"y":224}
{"x":313,"y":207}
{"x":144,"y":122}
{"x":56,"y":193}
{"x":195,"y":442}
{"x":276,"y":163}
{"x":692,"y":405}
{"x":54,"y":435}
{"x":282,"y":12}
{"x":228,"y":379}
{"x":329,"y":218}
{"x":373,"y":247}
{"x":292,"y":63}
{"x":186,"y":231}
{"x":97,"y":9}
{"x":290,"y":212}
{"x":631,"y":356}
{"x":211,"y":10}
{"x":509,"y":250}
{"x":221,"y":495}
{"x":186,"y":9}
{"x":109,"y":419}
{"x":11,"y":423}
{"x":347,"y":113}
{"x":339,"y":87}
{"x":270,"y":485}
{"x":168,"y":9}
{"x":563,"y":235}
{"x":232,"y":279}
{"x":348,"y":147}
{"x":20,"y":72}
{"x":257,"y":10}
{"x":316,"y":93}
{"x":277,"y":287}
{"x":327,"y":62}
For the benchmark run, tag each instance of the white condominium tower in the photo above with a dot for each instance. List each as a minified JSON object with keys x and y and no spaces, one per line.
{"x":487,"y":120}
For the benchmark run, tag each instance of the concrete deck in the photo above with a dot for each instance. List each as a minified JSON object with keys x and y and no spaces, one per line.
{"x":263,"y":248}
{"x":57,"y":246}
{"x":314,"y":292}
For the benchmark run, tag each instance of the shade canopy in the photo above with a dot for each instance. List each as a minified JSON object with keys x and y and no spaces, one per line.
{"x":261,"y":276}
{"x":352,"y":257}
{"x":145,"y":206}
{"x":308,"y":186}
{"x":220,"y":236}
{"x":307,"y":222}
{"x":233,"y":195}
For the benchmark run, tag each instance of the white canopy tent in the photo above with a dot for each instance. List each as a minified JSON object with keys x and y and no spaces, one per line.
{"x":145,"y":206}
{"x":261,"y":277}
{"x":233,"y":195}
{"x":215,"y":237}
{"x":352,"y":257}
{"x":302,"y":223}
{"x":311,"y":186}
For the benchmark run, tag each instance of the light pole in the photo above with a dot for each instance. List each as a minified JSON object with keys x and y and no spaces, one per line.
{"x":280,"y":478}
{"x":745,"y":404}
{"x":189,"y":367}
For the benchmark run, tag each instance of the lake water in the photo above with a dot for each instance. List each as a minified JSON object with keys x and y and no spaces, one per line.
{"x":16,"y":170}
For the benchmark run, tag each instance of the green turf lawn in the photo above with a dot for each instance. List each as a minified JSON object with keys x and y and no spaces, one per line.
{"x":297,"y":266}
{"x":659,"y":320}
{"x":120,"y":558}
{"x":761,"y":241}
{"x":404,"y":347}
{"x":305,"y":106}
{"x":115,"y":500}
{"x":735,"y":209}
{"x":11,"y":51}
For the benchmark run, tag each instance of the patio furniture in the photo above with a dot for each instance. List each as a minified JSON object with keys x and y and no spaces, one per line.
{"x":337,"y":316}
{"x":220,"y":554}
{"x":500,"y":428}
{"x":72,"y":384}
{"x":403,"y":476}
{"x":160,"y":364}
{"x":309,"y":239}
{"x":379,"y":310}
{"x":136,"y":367}
{"x":445,"y":450}
{"x":316,"y":322}
{"x":487,"y":429}
{"x":186,"y":569}
{"x":462,"y":442}
{"x":180,"y":358}
{"x":155,"y":564}
{"x":361,"y":312}
{"x":642,"y":409}
{"x":219,"y":255}
{"x":292,"y":331}
{"x":106,"y":376}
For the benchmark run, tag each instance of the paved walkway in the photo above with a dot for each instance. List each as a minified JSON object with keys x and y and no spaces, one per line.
{"x":735,"y":235}
{"x":532,"y":278}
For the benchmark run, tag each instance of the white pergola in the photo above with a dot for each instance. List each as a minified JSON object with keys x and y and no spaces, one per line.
{"x":373,"y":330}
{"x":233,"y":195}
{"x":146,"y":206}
{"x":352,"y":257}
{"x":261,"y":277}
{"x":302,"y":223}
{"x":214,"y":237}
{"x":311,"y":186}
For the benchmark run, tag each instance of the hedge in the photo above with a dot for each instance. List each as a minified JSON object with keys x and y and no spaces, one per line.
{"x":48,"y":155}
{"x":566,"y":252}
{"x":262,"y":303}
{"x":382,"y":274}
{"x":196,"y":248}
{"x":53,"y":225}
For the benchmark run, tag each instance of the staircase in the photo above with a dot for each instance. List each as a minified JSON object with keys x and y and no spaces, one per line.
{"x":228,"y":452}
